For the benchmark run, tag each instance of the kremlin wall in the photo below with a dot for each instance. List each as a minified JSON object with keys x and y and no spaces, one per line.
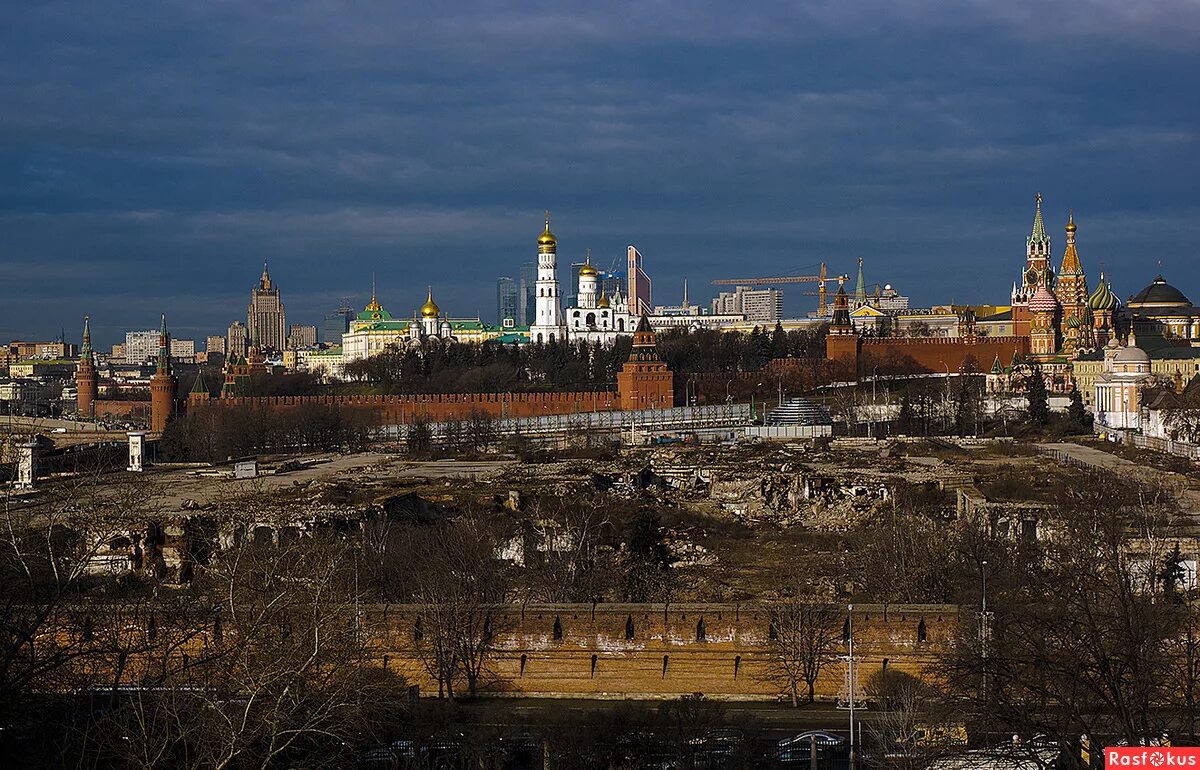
{"x":403,"y":409}
{"x":1054,"y":322}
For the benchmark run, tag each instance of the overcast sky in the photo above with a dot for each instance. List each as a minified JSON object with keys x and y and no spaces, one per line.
{"x":153,"y":154}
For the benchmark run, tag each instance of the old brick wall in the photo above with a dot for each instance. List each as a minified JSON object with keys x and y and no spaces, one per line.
{"x":731,"y":661}
{"x":400,"y":409}
{"x":937,"y":354}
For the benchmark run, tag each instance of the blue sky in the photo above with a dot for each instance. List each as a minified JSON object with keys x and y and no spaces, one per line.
{"x":153,"y":154}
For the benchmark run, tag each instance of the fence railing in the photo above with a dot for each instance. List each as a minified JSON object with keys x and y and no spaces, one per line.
{"x":1178,"y":448}
{"x":642,"y":420}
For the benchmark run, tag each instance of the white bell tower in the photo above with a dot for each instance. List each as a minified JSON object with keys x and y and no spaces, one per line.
{"x":548,"y":323}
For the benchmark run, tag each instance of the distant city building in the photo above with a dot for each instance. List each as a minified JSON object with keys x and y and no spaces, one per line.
{"x":506,"y":299}
{"x":640,"y":301}
{"x":527,"y":294}
{"x":265,"y":319}
{"x":215,"y":344}
{"x":118,"y":352}
{"x":238,"y":339}
{"x":757,"y":305}
{"x":300,"y":336}
{"x":141,"y":347}
{"x":337,"y":323}
{"x":27,"y":351}
{"x":183,"y":349}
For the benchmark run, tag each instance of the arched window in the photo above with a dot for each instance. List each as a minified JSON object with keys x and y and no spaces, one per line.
{"x":772,"y":630}
{"x":666,"y":659}
{"x":629,"y":628}
{"x":591,"y":319}
{"x":701,"y":633}
{"x":737,"y":665}
{"x":487,"y":627}
{"x":418,"y":630}
{"x":620,"y":324}
{"x":524,"y":658}
{"x":558,"y":628}
{"x":922,"y":631}
{"x":594,"y":659}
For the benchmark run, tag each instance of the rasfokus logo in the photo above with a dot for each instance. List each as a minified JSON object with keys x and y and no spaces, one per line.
{"x":1152,"y":757}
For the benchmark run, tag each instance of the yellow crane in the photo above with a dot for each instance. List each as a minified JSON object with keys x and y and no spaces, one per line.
{"x":820,"y":280}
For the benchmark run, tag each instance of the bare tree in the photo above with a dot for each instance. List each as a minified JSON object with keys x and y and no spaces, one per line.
{"x":459,"y":583}
{"x":49,"y":551}
{"x":802,"y":638}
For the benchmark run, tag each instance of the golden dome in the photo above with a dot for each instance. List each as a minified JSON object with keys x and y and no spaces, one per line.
{"x":546,"y":241}
{"x":587,"y":271}
{"x":1071,"y":222}
{"x":603,"y":299}
{"x":430,"y":308}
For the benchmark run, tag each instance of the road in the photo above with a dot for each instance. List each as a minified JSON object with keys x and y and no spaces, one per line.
{"x":1189,"y":495}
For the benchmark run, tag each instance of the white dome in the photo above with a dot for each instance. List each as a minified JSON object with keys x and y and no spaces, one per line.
{"x":1131,"y":355}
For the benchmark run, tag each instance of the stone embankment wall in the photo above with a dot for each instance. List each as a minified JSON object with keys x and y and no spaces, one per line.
{"x":657,"y":651}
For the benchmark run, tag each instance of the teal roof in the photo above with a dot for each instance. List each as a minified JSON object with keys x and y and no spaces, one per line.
{"x":376,"y":315}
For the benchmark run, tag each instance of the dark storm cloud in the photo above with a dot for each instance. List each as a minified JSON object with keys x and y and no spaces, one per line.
{"x":153,"y":154}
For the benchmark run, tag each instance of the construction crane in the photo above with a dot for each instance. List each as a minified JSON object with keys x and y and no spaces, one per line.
{"x":820,"y":280}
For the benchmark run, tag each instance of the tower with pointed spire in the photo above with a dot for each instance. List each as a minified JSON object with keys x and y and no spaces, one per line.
{"x":265,"y":317}
{"x":199,"y":394}
{"x":548,"y":324}
{"x":1037,"y":273}
{"x":860,"y":288}
{"x":842,"y":341}
{"x":162,"y":384}
{"x":645,"y":382}
{"x":86,"y":386}
{"x":1071,"y":290}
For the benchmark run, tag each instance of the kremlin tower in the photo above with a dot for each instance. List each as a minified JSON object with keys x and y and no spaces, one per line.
{"x":548,"y":324}
{"x":85,"y":376}
{"x":645,"y":382}
{"x":1037,"y":272}
{"x":162,"y":384}
{"x":841,"y":344}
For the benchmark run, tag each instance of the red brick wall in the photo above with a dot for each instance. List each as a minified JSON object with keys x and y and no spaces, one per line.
{"x":937,"y":354}
{"x":394,"y":410}
{"x":732,"y":661}
{"x":113,"y":408}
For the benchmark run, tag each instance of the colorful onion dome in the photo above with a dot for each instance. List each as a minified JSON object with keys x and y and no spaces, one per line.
{"x":1043,"y":301}
{"x":1102,"y":298}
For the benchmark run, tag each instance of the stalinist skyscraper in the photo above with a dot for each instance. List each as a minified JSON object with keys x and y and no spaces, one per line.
{"x":265,"y":321}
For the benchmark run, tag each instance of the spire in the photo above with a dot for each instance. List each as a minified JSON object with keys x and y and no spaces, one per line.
{"x":265,"y":281}
{"x":685,"y":299}
{"x":1038,"y":234}
{"x":198,"y":386}
{"x":860,"y":288}
{"x":374,"y":306}
{"x":85,"y":352}
{"x":164,"y":348}
{"x":841,"y":308}
{"x":1070,"y":261}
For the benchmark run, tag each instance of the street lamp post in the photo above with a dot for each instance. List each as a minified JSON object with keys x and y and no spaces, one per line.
{"x":850,"y":625}
{"x":874,"y":403}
